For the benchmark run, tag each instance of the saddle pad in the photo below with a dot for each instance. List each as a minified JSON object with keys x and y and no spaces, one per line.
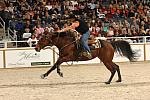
{"x":96,"y":42}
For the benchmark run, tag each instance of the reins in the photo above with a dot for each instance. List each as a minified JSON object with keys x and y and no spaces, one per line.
{"x":63,"y":46}
{"x":67,"y":45}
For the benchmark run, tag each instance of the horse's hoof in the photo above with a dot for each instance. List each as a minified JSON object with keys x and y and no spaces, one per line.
{"x":118,"y":81}
{"x":61,"y":74}
{"x":42,"y":76}
{"x":107,"y":82}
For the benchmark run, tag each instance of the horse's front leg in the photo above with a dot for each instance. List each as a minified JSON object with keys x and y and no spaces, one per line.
{"x":56,"y":65}
{"x":61,"y":60}
{"x":49,"y":71}
{"x":59,"y":72}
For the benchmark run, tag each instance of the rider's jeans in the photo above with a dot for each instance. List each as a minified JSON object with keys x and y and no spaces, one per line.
{"x":84,"y":41}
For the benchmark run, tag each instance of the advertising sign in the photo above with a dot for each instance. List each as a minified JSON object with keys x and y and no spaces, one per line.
{"x":28,"y":58}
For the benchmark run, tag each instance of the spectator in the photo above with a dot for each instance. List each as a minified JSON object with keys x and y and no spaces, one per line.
{"x":93,"y":33}
{"x":131,"y":13}
{"x":110,"y":31}
{"x":140,"y":8}
{"x":28,"y":26}
{"x":11,"y":8}
{"x":19,"y":28}
{"x":142,"y":31}
{"x":32,"y":41}
{"x":148,"y":32}
{"x":134,"y":31}
{"x":124,"y":32}
{"x":112,"y":10}
{"x":47,"y":17}
{"x":50,"y":28}
{"x":7,"y":17}
{"x":25,"y":36}
{"x":38,"y":31}
{"x":48,"y":6}
{"x":56,"y":27}
{"x":92,"y":5}
{"x":27,"y":16}
{"x":117,"y":30}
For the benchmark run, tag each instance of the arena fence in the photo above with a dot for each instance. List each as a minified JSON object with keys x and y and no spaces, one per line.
{"x":12,"y":57}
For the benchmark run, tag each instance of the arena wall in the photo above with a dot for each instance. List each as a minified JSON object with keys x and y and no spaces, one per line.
{"x":1,"y":59}
{"x":28,"y":57}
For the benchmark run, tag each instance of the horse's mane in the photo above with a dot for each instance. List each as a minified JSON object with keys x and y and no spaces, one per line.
{"x":59,"y":34}
{"x":65,"y":35}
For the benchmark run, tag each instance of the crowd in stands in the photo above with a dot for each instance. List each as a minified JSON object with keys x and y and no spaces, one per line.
{"x":109,"y":18}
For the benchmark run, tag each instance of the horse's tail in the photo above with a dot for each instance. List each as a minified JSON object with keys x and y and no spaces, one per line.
{"x":124,"y":49}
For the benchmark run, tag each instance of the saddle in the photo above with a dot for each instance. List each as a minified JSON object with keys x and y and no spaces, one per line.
{"x":93,"y":43}
{"x":96,"y":42}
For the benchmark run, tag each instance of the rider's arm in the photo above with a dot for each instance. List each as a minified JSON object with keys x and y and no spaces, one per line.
{"x":73,"y":26}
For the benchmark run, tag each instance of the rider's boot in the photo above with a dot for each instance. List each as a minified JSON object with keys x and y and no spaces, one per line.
{"x":87,"y":54}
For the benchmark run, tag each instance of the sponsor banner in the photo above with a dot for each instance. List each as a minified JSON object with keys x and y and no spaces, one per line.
{"x":28,"y":58}
{"x":1,"y":60}
{"x":40,"y":63}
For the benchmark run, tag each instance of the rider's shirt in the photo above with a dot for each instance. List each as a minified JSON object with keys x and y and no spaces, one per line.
{"x":82,"y":28}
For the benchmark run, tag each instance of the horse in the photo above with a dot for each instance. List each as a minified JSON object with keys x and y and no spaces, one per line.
{"x":68,"y":51}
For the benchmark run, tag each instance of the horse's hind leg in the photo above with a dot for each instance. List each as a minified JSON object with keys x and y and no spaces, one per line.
{"x":111,"y":69}
{"x":118,"y":71}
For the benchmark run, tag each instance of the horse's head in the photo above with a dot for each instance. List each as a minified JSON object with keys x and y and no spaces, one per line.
{"x":44,"y":40}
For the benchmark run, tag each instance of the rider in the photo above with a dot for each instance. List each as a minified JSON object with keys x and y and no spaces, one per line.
{"x":81,"y":27}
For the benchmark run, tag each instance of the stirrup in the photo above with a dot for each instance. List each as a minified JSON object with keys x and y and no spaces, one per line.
{"x":87,"y":54}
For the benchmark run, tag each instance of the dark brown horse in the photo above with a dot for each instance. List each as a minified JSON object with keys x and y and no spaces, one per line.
{"x":68,"y":51}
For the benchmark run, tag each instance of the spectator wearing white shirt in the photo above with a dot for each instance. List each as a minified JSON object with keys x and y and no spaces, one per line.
{"x":32,"y":41}
{"x":92,"y":5}
{"x":48,"y":6}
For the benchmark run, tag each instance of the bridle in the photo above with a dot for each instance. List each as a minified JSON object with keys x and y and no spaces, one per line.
{"x":50,"y":41}
{"x":46,"y":36}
